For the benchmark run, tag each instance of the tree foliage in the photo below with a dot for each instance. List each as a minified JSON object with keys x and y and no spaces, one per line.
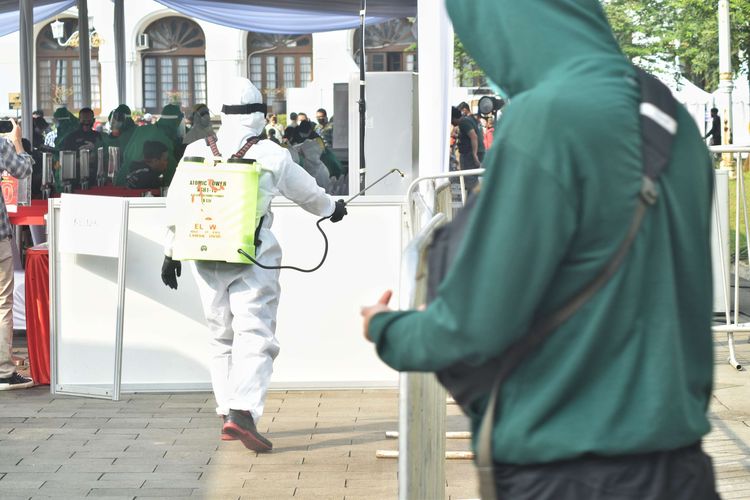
{"x":683,"y":33}
{"x":468,"y":73}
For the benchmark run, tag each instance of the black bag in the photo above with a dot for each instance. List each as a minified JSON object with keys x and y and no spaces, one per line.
{"x":466,"y":382}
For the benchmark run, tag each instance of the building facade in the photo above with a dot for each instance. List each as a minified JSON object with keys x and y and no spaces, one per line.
{"x":171,"y":58}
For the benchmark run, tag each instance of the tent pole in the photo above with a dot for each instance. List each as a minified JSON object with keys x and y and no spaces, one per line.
{"x":362,"y":105}
{"x":120,"y":49}
{"x":26,"y":43}
{"x":84,"y":52}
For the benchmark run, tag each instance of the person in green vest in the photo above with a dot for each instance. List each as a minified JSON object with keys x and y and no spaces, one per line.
{"x":613,"y":404}
{"x":134,"y":153}
{"x":172,"y":123}
{"x":65,"y":123}
{"x":122,"y":129}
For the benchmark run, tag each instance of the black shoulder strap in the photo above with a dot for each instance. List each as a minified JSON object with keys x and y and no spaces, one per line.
{"x":658,"y":117}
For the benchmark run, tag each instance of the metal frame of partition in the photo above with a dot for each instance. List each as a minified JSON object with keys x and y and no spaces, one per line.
{"x":421,"y":466}
{"x":92,"y":391}
{"x":732,"y":321}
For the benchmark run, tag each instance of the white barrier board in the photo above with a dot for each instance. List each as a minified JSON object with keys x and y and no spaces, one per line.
{"x":165,"y":337}
{"x":90,"y":225}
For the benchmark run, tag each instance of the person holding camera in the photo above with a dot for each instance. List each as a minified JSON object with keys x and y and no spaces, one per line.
{"x":18,"y":163}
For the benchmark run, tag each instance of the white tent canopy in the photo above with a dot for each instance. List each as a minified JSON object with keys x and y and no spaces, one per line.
{"x":695,"y":99}
{"x":740,"y":110}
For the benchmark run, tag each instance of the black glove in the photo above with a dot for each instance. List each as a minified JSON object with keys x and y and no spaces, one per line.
{"x":170,"y":270}
{"x":339,"y":212}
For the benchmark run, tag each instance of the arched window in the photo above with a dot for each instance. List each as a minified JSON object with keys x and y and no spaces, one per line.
{"x":174,"y":64}
{"x":279,"y":62}
{"x":389,"y":46}
{"x":58,"y":80}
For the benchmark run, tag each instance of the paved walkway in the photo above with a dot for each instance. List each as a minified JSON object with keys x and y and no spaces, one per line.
{"x":167,"y":445}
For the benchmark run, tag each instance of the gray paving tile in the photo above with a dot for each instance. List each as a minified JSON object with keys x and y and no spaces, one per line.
{"x":138,"y":492}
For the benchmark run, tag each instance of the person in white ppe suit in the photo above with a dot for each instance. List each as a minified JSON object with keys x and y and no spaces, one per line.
{"x":239,"y":300}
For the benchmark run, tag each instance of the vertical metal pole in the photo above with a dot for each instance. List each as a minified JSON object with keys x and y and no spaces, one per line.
{"x":726,"y":84}
{"x":26,"y":43}
{"x":120,"y":49}
{"x":120,"y":323}
{"x":54,"y":325}
{"x":84,"y":55}
{"x":362,"y":105}
{"x":421,"y":446}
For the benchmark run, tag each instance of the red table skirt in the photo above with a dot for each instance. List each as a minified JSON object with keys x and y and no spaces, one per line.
{"x":37,"y":312}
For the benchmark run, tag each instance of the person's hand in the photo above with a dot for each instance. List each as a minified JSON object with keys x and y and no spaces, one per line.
{"x":16,"y":137}
{"x":477,"y":163}
{"x":368,"y":312}
{"x":170,"y":270}
{"x":339,"y":212}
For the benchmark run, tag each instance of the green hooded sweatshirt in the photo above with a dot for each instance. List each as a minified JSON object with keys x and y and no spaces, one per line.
{"x":67,"y":122}
{"x":169,"y":123}
{"x":631,"y":371}
{"x":126,"y":129}
{"x":134,"y":152}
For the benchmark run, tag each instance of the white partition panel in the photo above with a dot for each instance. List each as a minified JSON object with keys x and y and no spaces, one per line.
{"x":165,"y":337}
{"x":319,"y":325}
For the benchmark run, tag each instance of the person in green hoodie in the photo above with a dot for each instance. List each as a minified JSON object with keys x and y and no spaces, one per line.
{"x":134,"y":153}
{"x":613,"y":404}
{"x":122,"y":128}
{"x":65,"y":122}
{"x":172,"y":123}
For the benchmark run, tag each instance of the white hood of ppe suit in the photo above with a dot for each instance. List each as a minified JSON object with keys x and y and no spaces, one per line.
{"x":236,"y":129}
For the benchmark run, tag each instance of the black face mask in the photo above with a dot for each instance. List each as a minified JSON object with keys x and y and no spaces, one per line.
{"x":322,"y":121}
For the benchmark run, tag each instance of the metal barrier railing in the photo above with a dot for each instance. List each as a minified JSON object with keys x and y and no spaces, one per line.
{"x":732,"y":314}
{"x":422,"y":399}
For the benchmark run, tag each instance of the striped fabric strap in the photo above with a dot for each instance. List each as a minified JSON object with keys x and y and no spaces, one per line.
{"x":211,"y":142}
{"x":250,"y":143}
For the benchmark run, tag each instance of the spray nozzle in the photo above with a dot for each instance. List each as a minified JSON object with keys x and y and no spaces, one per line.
{"x":393,"y":170}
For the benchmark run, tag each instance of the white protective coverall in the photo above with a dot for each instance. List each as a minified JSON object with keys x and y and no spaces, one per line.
{"x":239,"y":300}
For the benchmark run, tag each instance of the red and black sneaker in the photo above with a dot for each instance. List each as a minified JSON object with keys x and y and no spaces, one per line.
{"x":224,"y":435}
{"x":240,"y":425}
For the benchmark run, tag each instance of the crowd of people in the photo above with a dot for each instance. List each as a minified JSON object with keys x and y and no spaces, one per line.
{"x":311,"y":145}
{"x":471,"y":137}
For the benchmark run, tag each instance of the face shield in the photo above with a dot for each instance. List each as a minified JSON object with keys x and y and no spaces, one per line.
{"x":116,"y":123}
{"x":202,"y":118}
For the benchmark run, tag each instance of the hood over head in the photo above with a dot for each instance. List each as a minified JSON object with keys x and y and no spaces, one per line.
{"x":200,"y":117}
{"x":169,"y":122}
{"x":237,"y":128}
{"x":520,"y":43}
{"x":121,"y":119}
{"x":65,"y":120}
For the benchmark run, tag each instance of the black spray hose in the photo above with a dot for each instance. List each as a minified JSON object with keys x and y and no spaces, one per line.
{"x":294,"y":268}
{"x":325,"y":238}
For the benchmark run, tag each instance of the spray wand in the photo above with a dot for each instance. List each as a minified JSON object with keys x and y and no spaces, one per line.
{"x":325,"y":238}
